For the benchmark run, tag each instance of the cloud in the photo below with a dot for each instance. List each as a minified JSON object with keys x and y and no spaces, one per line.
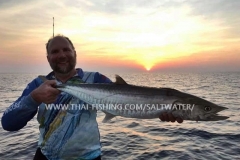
{"x":137,"y":31}
{"x":111,"y":6}
{"x":10,"y":3}
{"x":216,"y":8}
{"x":209,"y":61}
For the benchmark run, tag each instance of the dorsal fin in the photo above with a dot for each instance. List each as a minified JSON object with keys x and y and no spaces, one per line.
{"x":43,"y":78}
{"x":119,"y":80}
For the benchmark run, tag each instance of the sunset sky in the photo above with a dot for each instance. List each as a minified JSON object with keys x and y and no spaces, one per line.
{"x":124,"y":35}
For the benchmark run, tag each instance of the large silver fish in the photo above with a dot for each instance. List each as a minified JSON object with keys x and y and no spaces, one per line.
{"x":125,"y":100}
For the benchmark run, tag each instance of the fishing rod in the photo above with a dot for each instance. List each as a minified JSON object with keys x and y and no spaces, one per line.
{"x":53,"y":26}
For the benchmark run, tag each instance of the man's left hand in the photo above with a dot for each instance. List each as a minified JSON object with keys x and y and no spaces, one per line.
{"x":169,"y":117}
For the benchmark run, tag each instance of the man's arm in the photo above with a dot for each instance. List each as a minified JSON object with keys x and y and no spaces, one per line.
{"x":25,"y":108}
{"x":22,"y":110}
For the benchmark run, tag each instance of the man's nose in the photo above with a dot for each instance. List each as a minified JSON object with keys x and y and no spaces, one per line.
{"x":62,"y":53}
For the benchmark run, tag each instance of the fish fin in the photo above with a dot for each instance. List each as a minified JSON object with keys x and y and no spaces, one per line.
{"x":119,"y":80}
{"x":43,"y":78}
{"x":108,"y":117}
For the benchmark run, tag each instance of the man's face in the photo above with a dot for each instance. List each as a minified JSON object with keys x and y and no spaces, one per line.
{"x":61,"y":56}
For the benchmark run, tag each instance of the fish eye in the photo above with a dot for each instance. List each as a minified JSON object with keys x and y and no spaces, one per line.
{"x":207,"y":108}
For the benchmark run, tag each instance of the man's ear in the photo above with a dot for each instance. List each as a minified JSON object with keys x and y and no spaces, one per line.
{"x":47,"y":58}
{"x":75,"y":53}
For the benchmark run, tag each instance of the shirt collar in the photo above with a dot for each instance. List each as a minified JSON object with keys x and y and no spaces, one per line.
{"x":79,"y":74}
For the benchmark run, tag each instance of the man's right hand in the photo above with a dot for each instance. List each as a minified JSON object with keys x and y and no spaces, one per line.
{"x":46,"y":93}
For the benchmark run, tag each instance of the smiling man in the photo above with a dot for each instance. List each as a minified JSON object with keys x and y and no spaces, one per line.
{"x":64,"y":133}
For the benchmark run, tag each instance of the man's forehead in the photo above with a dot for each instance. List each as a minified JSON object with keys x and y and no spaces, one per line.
{"x":58,"y":41}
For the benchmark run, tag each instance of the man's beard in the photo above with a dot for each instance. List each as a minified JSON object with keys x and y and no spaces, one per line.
{"x":64,"y":69}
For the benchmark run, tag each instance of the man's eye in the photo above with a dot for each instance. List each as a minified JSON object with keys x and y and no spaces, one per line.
{"x":54,"y":52}
{"x":66,"y":49}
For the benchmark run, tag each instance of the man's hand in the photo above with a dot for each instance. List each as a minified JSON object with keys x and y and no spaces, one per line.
{"x":169,"y":117}
{"x":46,"y":93}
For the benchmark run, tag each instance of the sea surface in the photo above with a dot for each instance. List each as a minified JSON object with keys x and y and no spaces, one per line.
{"x":134,"y":139}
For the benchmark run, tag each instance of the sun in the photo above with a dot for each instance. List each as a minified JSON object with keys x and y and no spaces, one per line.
{"x":148,"y":68}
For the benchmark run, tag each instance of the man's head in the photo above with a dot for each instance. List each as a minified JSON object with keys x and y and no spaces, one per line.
{"x":61,"y":54}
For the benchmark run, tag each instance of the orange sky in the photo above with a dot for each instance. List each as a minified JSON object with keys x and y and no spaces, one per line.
{"x":134,"y":36}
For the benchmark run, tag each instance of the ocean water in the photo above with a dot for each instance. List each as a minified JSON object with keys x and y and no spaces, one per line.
{"x":133,"y":139}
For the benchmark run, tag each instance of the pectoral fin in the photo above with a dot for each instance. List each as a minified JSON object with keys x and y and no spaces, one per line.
{"x":108,"y":116}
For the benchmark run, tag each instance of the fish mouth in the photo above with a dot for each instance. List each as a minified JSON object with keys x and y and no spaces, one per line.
{"x":215,"y":117}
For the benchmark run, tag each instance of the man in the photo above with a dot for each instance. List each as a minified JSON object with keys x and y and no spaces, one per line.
{"x":64,"y":133}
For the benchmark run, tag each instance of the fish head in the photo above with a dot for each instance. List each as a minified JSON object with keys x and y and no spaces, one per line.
{"x":203,"y":110}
